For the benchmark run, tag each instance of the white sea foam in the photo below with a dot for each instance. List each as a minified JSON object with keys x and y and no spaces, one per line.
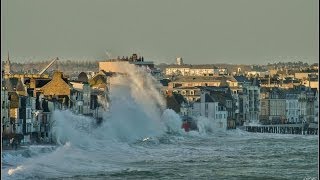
{"x":134,"y":129}
{"x":84,"y":148}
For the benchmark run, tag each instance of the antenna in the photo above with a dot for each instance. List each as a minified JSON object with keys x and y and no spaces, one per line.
{"x":8,"y":58}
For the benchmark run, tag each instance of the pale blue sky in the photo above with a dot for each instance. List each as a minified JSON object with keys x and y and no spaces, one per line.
{"x":202,"y":31}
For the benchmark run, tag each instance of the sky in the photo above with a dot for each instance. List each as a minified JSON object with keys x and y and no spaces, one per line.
{"x":201,"y":32}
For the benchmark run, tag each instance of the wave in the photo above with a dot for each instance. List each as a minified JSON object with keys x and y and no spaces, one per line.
{"x":136,"y":128}
{"x":136,"y":118}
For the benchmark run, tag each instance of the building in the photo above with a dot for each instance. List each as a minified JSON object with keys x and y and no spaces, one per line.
{"x":116,"y":65}
{"x":27,"y":104}
{"x":292,"y":107}
{"x":304,"y":75}
{"x":5,"y":108}
{"x":277,"y":106}
{"x":194,"y":81}
{"x":316,"y":107}
{"x":250,"y":103}
{"x":207,"y":107}
{"x":190,"y":70}
{"x":179,"y":61}
{"x":189,"y":93}
{"x":302,"y":105}
{"x":7,"y":66}
{"x":257,"y":73}
{"x":224,"y":96}
{"x":194,"y":70}
{"x":58,"y":88}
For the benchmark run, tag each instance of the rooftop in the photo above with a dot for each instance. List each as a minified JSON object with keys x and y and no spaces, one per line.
{"x":204,"y":79}
{"x":198,"y":66}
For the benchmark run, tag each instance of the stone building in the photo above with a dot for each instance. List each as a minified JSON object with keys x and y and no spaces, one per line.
{"x":57,"y":88}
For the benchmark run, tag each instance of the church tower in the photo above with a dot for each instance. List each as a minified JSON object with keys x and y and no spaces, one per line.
{"x":7,"y":66}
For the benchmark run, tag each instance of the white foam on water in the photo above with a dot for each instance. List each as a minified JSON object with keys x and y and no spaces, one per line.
{"x":132,"y":130}
{"x":173,"y":122}
{"x":136,"y":114}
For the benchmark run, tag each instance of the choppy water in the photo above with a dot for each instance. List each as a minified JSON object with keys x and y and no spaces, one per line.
{"x":233,"y":155}
{"x":139,"y":141}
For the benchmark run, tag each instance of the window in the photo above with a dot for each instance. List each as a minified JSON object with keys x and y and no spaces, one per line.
{"x":191,"y":92}
{"x":28,"y":113}
{"x":183,"y":92}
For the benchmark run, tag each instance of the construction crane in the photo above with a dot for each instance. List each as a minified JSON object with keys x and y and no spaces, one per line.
{"x":47,"y":67}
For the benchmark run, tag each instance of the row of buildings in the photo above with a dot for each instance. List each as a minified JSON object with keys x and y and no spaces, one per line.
{"x":28,"y":100}
{"x":252,"y":103}
{"x":217,"y":100}
{"x":244,"y":98}
{"x":28,"y":103}
{"x":228,"y":100}
{"x":279,"y":77}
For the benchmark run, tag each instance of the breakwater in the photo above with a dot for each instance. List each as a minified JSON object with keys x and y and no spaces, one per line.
{"x":303,"y":129}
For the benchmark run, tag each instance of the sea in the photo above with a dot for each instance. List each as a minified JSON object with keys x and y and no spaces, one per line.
{"x":140,"y":139}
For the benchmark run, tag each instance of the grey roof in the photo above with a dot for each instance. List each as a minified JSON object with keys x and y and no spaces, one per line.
{"x":41,"y":82}
{"x":241,"y":78}
{"x":83,"y":77}
{"x":208,"y":98}
{"x":11,"y":84}
{"x":214,"y":88}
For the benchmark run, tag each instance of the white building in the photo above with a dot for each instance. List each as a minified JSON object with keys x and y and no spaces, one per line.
{"x":179,"y":61}
{"x":220,"y":71}
{"x":210,"y":109}
{"x":81,"y":98}
{"x":257,"y":73}
{"x":194,"y":70}
{"x":292,"y":108}
{"x":302,"y":106}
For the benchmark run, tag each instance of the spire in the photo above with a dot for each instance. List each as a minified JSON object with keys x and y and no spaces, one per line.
{"x":7,"y":65}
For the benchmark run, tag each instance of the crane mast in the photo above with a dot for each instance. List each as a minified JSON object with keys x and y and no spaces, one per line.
{"x":47,"y":67}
